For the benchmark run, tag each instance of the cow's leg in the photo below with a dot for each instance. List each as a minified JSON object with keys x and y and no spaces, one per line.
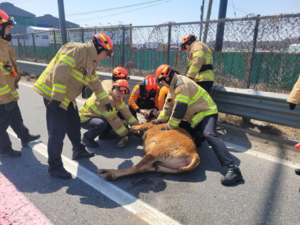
{"x":141,"y":167}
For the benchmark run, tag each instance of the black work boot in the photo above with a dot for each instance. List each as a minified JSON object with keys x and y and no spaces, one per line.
{"x":82,"y":154}
{"x":31,"y":138}
{"x":11,"y":154}
{"x":233,"y":175}
{"x":60,"y":173}
{"x":89,"y":143}
{"x":297,"y":171}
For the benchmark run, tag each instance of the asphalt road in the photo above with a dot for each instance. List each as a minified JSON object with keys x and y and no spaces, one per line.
{"x":269,"y":193}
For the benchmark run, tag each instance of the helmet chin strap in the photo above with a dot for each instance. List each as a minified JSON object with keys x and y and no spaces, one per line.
{"x":170,"y":78}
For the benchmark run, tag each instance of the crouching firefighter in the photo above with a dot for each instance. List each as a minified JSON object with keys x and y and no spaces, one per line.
{"x":69,"y":72}
{"x":145,"y":96}
{"x":200,"y":62}
{"x":193,"y":109}
{"x":10,"y":114}
{"x":98,"y":121}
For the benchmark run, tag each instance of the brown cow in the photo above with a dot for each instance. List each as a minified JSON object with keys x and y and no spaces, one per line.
{"x":169,"y":151}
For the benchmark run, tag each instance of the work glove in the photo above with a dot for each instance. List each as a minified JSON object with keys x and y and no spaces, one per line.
{"x":9,"y":106}
{"x":53,"y":104}
{"x":164,"y":128}
{"x":156,"y":122}
{"x":292,"y":106}
{"x":108,"y":107}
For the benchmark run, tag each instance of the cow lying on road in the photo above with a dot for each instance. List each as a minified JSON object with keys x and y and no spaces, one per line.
{"x":168,"y":151}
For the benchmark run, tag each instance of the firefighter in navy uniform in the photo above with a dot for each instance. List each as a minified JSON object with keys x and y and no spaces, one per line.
{"x":98,"y":121}
{"x":145,"y":96}
{"x":67,"y":75}
{"x":193,"y":109}
{"x":200,"y":62}
{"x":294,"y":100}
{"x":10,"y":114}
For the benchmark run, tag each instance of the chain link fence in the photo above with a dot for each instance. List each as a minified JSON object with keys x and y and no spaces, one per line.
{"x":256,"y":52}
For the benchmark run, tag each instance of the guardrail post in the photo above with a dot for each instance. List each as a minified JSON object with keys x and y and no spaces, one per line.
{"x":169,"y":43}
{"x":34,"y":49}
{"x":123,"y":47}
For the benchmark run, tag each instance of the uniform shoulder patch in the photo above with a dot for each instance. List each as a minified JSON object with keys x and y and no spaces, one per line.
{"x":136,"y":91}
{"x":179,"y":82}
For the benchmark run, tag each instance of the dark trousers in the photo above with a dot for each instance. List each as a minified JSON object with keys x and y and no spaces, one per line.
{"x":12,"y":118}
{"x":95,"y":126}
{"x":207,"y":127}
{"x":206,"y":85}
{"x":59,"y":123}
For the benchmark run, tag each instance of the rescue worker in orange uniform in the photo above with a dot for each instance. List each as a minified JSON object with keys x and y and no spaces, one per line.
{"x":145,"y":96}
{"x":200,"y":62}
{"x":193,"y":109}
{"x":98,"y":121}
{"x":10,"y":114}
{"x":294,"y":100}
{"x":67,"y":75}
{"x":163,"y":93}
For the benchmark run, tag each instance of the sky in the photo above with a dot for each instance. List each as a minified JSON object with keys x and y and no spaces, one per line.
{"x":89,"y":13}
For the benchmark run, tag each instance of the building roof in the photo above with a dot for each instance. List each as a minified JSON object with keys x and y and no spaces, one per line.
{"x":12,"y":10}
{"x":52,"y":21}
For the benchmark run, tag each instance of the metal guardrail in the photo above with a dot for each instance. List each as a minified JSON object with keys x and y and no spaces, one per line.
{"x":264,"y":106}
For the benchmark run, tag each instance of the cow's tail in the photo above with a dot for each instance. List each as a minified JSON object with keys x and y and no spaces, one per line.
{"x":194,"y":163}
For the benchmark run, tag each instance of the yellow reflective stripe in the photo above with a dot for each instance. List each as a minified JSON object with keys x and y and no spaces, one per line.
{"x":94,"y":78}
{"x":131,"y":120}
{"x":163,"y":116}
{"x":196,"y":96}
{"x":82,"y":112}
{"x":122,"y":106}
{"x":210,"y":75}
{"x":79,"y":76}
{"x":60,"y":88}
{"x":1,"y":64}
{"x":208,"y":99}
{"x":107,"y":114}
{"x":121,"y":130}
{"x":190,"y":62}
{"x":66,"y":59}
{"x":16,"y":94}
{"x":182,"y":98}
{"x":4,"y":90}
{"x":200,"y":115}
{"x":66,"y":102}
{"x":102,"y":95}
{"x":198,"y":53}
{"x":84,"y":118}
{"x":106,"y":41}
{"x":91,"y":103}
{"x":194,"y":69}
{"x":173,"y":122}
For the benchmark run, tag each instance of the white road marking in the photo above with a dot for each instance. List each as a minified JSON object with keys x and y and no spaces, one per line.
{"x":127,"y":201}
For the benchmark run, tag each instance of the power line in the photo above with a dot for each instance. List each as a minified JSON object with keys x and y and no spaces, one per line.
{"x":105,"y":16}
{"x":121,"y":7}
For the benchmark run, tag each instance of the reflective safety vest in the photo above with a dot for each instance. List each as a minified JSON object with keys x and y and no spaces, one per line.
{"x":200,"y":62}
{"x":70,"y":70}
{"x":8,"y":91}
{"x":94,"y":108}
{"x":191,"y":103}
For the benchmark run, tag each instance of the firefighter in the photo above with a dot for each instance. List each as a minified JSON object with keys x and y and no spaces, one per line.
{"x":200,"y":62}
{"x":10,"y":114}
{"x":145,"y":96}
{"x":193,"y":109}
{"x":66,"y":77}
{"x":294,"y":100}
{"x":98,"y":121}
{"x":162,"y":96}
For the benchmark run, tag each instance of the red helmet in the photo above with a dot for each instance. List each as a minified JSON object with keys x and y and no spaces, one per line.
{"x":163,"y":71}
{"x":5,"y":19}
{"x":150,"y":82}
{"x":105,"y":41}
{"x":120,"y":73}
{"x":122,"y":85}
{"x":188,"y":39}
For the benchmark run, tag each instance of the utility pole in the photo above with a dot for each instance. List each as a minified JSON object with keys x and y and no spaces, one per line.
{"x":201,"y":19}
{"x":207,"y":19}
{"x":62,"y":22}
{"x":221,"y":25}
